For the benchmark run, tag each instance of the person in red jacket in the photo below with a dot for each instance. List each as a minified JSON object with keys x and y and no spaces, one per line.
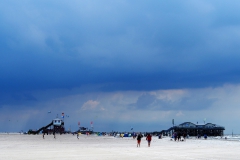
{"x":149,"y":138}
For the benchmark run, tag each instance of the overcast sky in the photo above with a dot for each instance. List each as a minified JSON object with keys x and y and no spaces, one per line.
{"x":120,"y":64}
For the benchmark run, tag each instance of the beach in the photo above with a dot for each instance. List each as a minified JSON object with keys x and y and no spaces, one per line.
{"x":20,"y":146}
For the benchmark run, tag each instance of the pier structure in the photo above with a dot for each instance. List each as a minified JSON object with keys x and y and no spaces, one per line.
{"x":193,"y":129}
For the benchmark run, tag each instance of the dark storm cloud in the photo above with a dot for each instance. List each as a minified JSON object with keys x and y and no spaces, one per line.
{"x":119,"y":45}
{"x":193,"y":103}
{"x":16,"y":99}
{"x":144,"y":101}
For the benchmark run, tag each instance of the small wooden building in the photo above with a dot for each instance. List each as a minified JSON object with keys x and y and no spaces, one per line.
{"x":193,"y":129}
{"x":58,"y":126}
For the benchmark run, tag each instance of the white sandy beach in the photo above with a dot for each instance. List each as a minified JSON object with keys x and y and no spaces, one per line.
{"x":16,"y":146}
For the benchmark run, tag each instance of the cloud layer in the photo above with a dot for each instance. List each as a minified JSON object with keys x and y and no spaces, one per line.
{"x":122,"y":45}
{"x":163,"y":54}
{"x":121,"y":110}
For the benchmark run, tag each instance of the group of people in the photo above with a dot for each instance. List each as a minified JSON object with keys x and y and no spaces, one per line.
{"x":199,"y":136}
{"x":54,"y":135}
{"x":148,"y":138}
{"x":177,"y":136}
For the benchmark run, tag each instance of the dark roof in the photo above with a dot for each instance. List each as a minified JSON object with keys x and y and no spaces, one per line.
{"x":193,"y":125}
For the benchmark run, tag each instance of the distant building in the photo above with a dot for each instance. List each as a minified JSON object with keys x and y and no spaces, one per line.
{"x":57,"y":122}
{"x":56,"y":126}
{"x":193,"y":129}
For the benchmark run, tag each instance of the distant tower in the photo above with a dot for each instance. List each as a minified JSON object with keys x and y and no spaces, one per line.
{"x":58,"y":126}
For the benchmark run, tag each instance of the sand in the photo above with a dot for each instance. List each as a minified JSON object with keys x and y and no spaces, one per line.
{"x":16,"y":146}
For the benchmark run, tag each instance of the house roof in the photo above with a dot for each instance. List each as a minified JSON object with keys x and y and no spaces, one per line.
{"x":193,"y":125}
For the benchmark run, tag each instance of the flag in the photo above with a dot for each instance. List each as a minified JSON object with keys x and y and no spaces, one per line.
{"x":62,"y":115}
{"x":91,"y":123}
{"x":79,"y":123}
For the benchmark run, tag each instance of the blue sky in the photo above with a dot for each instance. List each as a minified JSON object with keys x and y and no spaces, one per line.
{"x":120,"y":64}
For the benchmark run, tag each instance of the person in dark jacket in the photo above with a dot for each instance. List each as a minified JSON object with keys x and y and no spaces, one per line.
{"x":139,"y":137}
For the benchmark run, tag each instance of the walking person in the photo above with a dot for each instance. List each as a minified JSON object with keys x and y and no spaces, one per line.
{"x":205,"y":136}
{"x":175,"y":136}
{"x":149,"y":138}
{"x":184,"y":136}
{"x":139,"y":137}
{"x":179,"y":136}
